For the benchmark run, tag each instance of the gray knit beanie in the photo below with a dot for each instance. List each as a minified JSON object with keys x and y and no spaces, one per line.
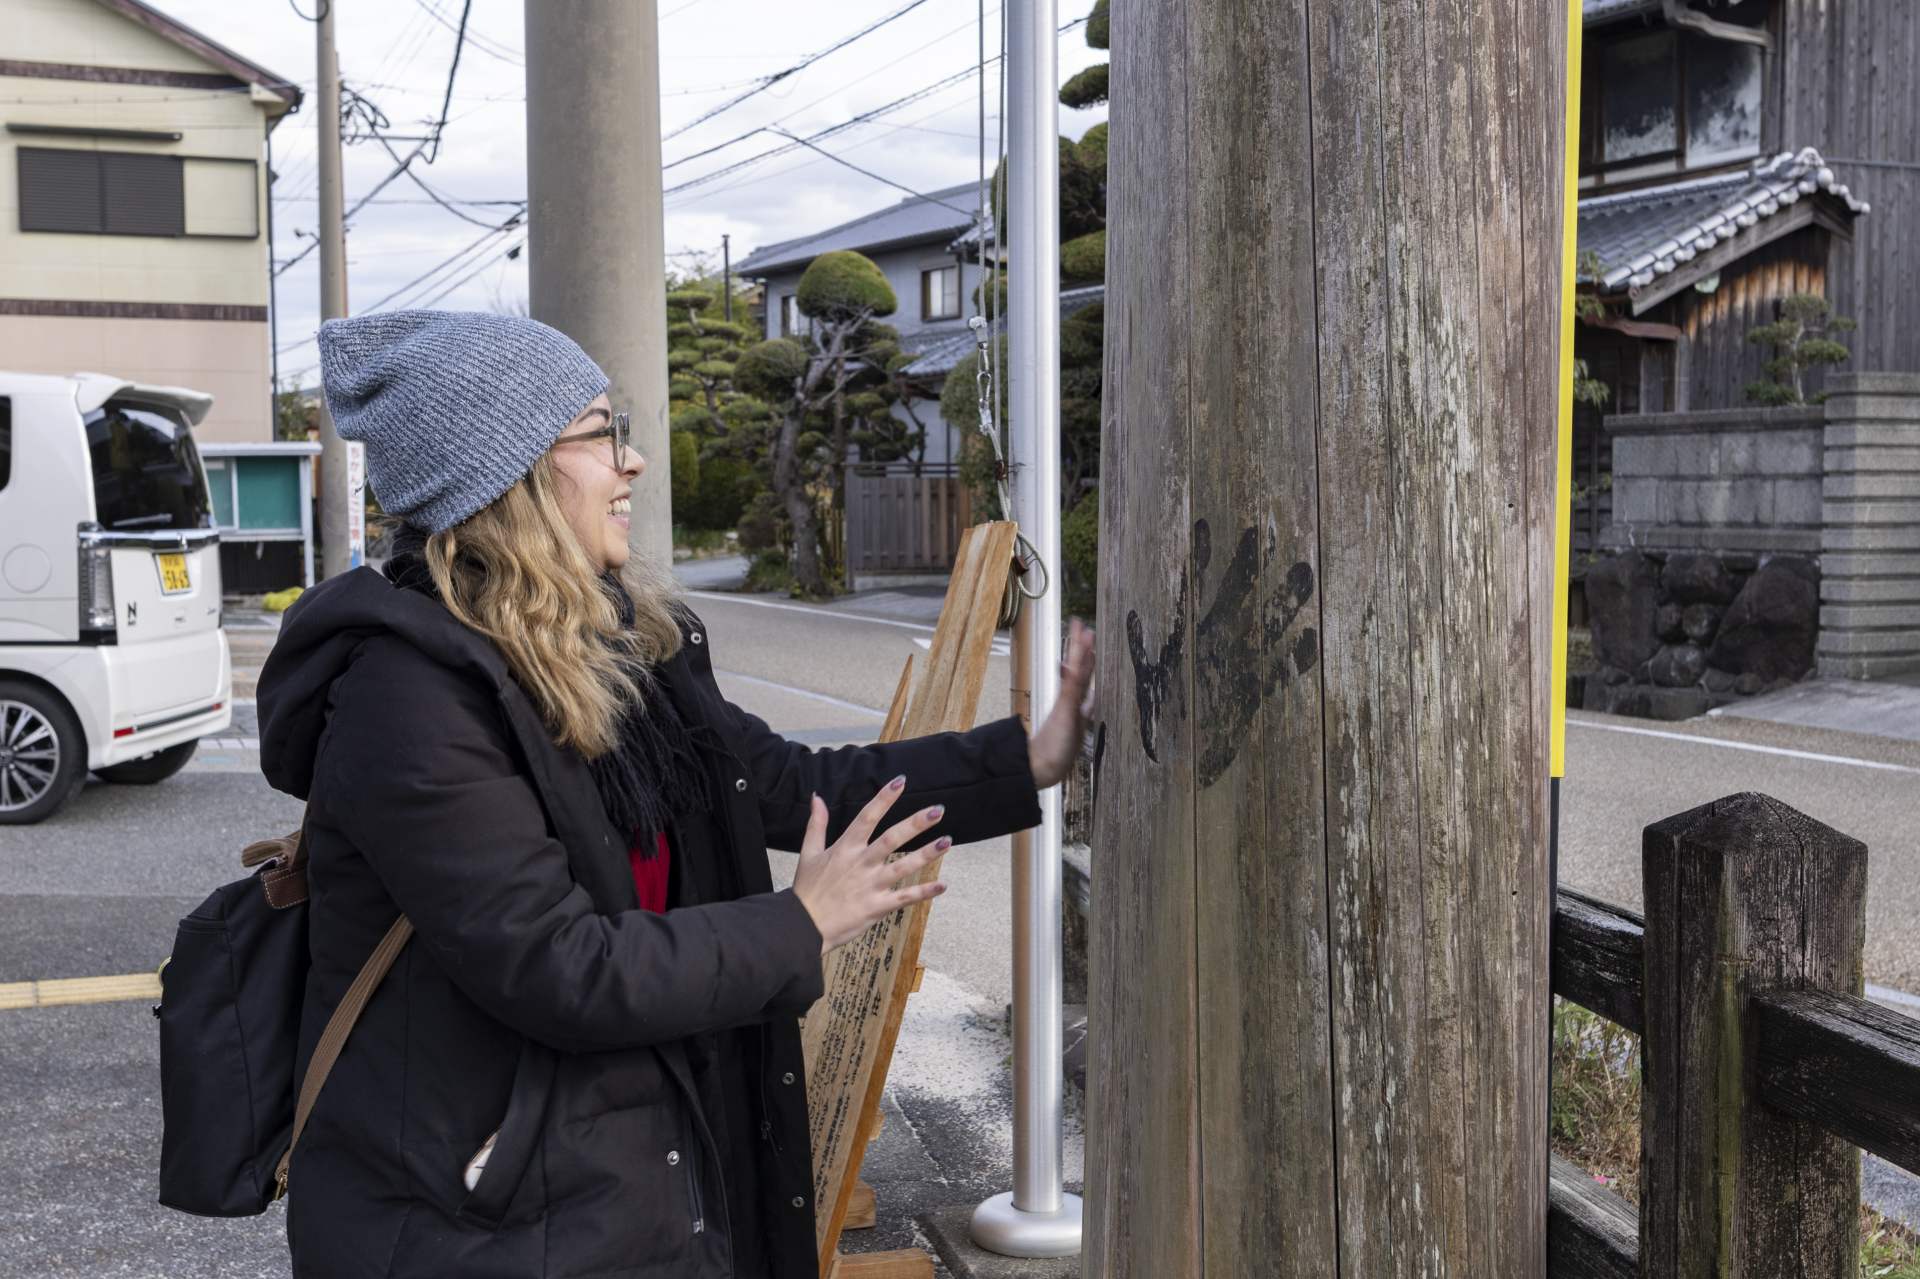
{"x":453,"y":406}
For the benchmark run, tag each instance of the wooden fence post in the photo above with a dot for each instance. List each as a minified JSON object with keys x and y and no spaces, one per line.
{"x":1317,"y":1029}
{"x":1744,"y":896}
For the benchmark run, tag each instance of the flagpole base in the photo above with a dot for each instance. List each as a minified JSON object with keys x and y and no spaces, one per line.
{"x":1000,"y":1227}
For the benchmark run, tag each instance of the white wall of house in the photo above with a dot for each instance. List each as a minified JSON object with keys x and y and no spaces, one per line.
{"x":186,"y":310}
{"x":902,"y":267}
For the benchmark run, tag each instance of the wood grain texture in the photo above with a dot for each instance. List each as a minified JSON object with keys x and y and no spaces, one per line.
{"x":1591,"y":1231}
{"x":1143,"y":1179}
{"x":1319,"y":936}
{"x":1262,"y":1015}
{"x":903,"y":1263}
{"x":1848,"y":1065}
{"x":1598,"y":957}
{"x":848,"y":1037}
{"x":1745,"y":897}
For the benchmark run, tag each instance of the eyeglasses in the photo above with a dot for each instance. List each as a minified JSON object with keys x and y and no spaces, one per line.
{"x":620,"y":428}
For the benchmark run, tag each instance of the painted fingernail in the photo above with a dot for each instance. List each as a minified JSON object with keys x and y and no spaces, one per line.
{"x":897,"y":782}
{"x":935,"y":813}
{"x":942,"y":844}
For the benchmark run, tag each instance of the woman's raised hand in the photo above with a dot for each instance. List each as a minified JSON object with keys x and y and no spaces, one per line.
{"x":848,"y":885}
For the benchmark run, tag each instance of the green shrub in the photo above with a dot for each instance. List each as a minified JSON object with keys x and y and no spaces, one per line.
{"x":1084,"y":259}
{"x":1080,"y":554}
{"x":727,"y":484}
{"x":1092,"y":149}
{"x":769,"y":571}
{"x":1088,"y":89}
{"x":683,"y":454}
{"x":762,"y":526}
{"x":768,"y":369}
{"x":842,"y":283}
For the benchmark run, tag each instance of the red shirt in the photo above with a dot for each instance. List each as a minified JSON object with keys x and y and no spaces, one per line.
{"x":650,"y":873}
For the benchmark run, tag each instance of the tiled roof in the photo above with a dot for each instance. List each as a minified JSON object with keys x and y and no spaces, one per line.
{"x":940,"y":349}
{"x":1642,"y":235}
{"x":939,"y":215}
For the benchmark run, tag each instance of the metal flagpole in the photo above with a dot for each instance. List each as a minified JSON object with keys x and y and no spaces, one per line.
{"x":1037,"y":1219}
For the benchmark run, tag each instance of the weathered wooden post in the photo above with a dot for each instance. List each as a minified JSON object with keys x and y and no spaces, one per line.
{"x":1319,"y":936}
{"x":1744,"y":897}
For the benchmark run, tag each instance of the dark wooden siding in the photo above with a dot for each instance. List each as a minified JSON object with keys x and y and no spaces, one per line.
{"x":1846,"y":80}
{"x":1718,"y":361}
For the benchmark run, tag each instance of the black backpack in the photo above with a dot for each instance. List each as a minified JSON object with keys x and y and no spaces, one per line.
{"x":229,"y":1035}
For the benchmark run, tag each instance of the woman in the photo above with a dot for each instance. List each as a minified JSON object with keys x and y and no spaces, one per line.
{"x":587,"y":1060}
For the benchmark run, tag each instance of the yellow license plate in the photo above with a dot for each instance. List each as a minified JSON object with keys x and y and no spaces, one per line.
{"x":173,"y":573}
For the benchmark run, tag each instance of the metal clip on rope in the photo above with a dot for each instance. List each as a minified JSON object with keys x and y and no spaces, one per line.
{"x":1026,"y":559}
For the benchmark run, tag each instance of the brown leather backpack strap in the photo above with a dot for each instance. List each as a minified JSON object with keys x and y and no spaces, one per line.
{"x":334,"y":1037}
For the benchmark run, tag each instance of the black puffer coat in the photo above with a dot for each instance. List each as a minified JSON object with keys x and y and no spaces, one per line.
{"x":641,"y":1069}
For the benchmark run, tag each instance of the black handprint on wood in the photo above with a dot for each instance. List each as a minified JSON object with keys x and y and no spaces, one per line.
{"x":1242,"y":645}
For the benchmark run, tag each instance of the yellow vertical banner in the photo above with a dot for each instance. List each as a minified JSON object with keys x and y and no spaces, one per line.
{"x":1563,"y":482}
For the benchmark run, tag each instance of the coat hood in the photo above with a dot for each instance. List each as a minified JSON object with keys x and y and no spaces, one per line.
{"x":319,"y":639}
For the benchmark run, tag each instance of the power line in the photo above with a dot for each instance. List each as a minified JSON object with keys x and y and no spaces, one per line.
{"x":798,"y":111}
{"x":769,"y":81}
{"x":453,"y":261}
{"x":887,"y":108}
{"x":446,"y":102}
{"x":358,"y":205}
{"x":486,"y":44}
{"x":508,"y":256}
{"x":898,"y":186}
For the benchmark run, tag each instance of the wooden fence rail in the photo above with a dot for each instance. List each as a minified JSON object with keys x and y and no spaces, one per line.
{"x":1763,"y":1068}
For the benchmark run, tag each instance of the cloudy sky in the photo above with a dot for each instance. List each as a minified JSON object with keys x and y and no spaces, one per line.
{"x":396,"y":53}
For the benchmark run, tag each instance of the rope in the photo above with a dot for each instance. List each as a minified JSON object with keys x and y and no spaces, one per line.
{"x":1026,"y":559}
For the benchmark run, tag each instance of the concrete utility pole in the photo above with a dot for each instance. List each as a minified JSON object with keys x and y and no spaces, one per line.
{"x":342,"y":465}
{"x":1319,"y":947}
{"x":726,"y":275}
{"x":598,"y":270}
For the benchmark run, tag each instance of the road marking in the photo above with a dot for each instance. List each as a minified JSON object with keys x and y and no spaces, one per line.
{"x":806,"y":692}
{"x":811,"y":612}
{"x":1888,"y":995}
{"x":1749,"y":746}
{"x":231,"y":743}
{"x":1000,"y":648}
{"x":79,"y":990}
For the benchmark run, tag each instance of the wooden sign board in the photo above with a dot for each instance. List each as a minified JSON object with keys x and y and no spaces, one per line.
{"x":849,"y":1035}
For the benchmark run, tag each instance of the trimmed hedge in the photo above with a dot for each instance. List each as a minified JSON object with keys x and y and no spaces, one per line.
{"x":842,"y":283}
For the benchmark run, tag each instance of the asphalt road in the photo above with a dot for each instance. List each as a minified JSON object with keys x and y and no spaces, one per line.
{"x":97,"y":890}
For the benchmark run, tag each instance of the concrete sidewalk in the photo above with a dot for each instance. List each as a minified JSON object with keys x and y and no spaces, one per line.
{"x":1878,"y":708}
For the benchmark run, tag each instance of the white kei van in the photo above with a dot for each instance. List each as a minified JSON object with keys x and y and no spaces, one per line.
{"x":111,"y":653}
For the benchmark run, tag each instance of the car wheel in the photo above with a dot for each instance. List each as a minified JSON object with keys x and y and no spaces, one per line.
{"x":157,"y":767}
{"x":43,"y":754}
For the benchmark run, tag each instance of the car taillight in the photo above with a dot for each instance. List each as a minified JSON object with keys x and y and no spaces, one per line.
{"x":96,"y":588}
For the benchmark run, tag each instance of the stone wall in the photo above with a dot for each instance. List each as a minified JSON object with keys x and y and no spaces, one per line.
{"x":1749,"y":548}
{"x":1870,"y":587}
{"x":1740,"y":482}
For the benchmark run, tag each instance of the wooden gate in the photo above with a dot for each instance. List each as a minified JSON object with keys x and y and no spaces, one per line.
{"x":899,"y":521}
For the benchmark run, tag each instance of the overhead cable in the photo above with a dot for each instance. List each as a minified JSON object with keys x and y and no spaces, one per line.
{"x":767,"y":82}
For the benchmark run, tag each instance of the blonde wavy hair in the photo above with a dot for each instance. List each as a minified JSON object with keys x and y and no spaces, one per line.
{"x":516,"y":572}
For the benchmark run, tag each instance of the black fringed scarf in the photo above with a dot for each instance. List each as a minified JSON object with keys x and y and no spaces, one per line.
{"x":653,"y":773}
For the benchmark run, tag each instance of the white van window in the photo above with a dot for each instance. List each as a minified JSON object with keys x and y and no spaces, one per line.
{"x":146,"y":470}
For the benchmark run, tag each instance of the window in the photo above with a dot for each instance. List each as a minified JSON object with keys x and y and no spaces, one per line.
{"x":940,"y":293}
{"x":146,"y":470}
{"x":135,"y":193}
{"x":791,"y":321}
{"x":1666,"y":101}
{"x":6,"y":440}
